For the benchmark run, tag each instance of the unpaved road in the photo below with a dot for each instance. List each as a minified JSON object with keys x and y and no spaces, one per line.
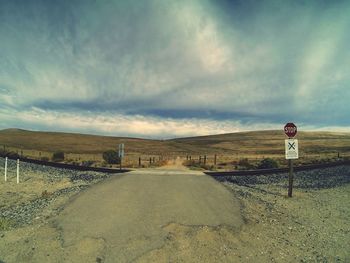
{"x":125,"y":218}
{"x":169,"y":214}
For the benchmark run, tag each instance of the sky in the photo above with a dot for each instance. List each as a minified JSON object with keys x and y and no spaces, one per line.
{"x":164,"y":69}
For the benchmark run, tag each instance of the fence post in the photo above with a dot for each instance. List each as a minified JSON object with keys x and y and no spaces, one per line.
{"x":140,"y":161}
{"x":205,"y":159}
{"x":5,"y":169}
{"x":215,"y":159}
{"x":200,"y":159}
{"x":17,"y":171}
{"x":150,"y":160}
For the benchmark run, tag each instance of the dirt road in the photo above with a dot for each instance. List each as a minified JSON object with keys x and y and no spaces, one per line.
{"x":167,"y":214}
{"x":124,"y":218}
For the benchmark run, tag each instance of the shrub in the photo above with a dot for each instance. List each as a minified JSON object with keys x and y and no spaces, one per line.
{"x":5,"y":224}
{"x":13,"y":155}
{"x":3,"y":153}
{"x":244,"y":164}
{"x":58,"y":156}
{"x":45,"y":194}
{"x":111,"y":157}
{"x":45,"y":159}
{"x":268,"y":163}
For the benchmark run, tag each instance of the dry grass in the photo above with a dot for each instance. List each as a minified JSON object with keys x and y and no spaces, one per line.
{"x":229,"y":148}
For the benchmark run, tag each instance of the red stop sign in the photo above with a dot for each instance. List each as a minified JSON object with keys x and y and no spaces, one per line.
{"x":290,"y":129}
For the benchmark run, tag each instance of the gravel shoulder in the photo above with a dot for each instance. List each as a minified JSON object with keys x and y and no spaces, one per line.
{"x":312,"y":226}
{"x":40,"y":194}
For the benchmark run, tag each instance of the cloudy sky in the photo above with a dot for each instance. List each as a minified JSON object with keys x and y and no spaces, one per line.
{"x":161,"y":69}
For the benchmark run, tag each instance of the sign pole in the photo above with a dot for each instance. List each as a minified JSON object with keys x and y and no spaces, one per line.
{"x":291,"y":145}
{"x":121,"y":155}
{"x":5,"y":169}
{"x":290,"y":178}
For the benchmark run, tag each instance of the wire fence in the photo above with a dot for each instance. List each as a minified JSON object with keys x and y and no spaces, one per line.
{"x":146,"y":160}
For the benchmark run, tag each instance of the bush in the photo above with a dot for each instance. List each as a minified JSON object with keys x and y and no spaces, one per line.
{"x":13,"y":155}
{"x":5,"y":224}
{"x":45,"y":159}
{"x":58,"y":156}
{"x":3,"y":153}
{"x":268,"y":163}
{"x":111,"y":157}
{"x":244,"y":164}
{"x":45,"y":194}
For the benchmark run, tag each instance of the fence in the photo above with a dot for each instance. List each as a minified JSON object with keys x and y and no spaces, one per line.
{"x":138,"y":160}
{"x":67,"y":166}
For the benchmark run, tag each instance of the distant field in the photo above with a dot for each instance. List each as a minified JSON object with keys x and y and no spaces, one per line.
{"x":228,"y":147}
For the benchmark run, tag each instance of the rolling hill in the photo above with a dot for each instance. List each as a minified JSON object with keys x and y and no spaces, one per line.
{"x":255,"y":144}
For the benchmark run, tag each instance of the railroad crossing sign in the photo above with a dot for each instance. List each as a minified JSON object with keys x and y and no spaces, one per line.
{"x":290,"y":129}
{"x":121,"y":150}
{"x":292,"y":151}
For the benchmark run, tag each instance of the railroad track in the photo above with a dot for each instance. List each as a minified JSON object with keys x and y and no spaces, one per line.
{"x":214,"y":174}
{"x":277,"y":170}
{"x":71,"y":166}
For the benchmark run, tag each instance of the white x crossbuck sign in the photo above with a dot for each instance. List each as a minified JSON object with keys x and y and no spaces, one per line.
{"x":292,"y":149}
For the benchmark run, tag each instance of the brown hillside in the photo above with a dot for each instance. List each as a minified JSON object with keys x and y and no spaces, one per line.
{"x":253,"y":145}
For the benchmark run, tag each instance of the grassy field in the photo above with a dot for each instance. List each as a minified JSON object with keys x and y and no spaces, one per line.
{"x":229,"y":148}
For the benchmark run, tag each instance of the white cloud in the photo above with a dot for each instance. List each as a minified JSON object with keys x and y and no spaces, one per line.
{"x":137,"y":125}
{"x":121,"y":125}
{"x":167,"y":57}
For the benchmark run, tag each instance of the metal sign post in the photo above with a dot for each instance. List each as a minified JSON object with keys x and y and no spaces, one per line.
{"x":291,"y":146}
{"x":292,"y":152}
{"x":121,"y":154}
{"x":290,"y":178}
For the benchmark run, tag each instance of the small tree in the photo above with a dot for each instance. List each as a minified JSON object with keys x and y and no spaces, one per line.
{"x":111,"y":157}
{"x":58,"y":156}
{"x":268,"y":163}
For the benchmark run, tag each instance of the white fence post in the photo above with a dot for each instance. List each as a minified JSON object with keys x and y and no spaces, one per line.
{"x":17,"y":171}
{"x":5,"y":169}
